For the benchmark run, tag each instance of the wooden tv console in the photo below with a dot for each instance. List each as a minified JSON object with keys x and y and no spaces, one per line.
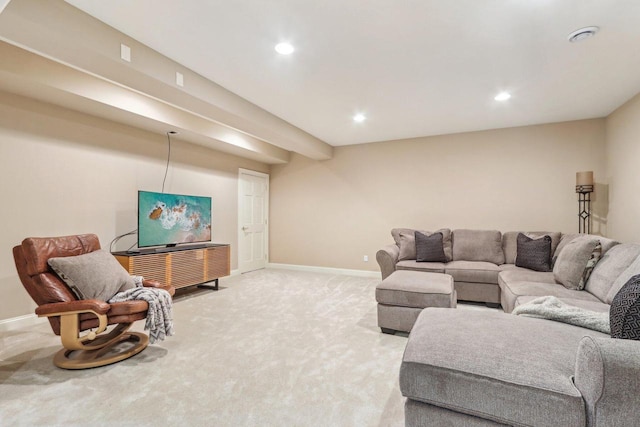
{"x":180,"y":267}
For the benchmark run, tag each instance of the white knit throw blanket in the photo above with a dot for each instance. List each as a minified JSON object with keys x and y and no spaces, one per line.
{"x":553,"y":309}
{"x":159,"y":321}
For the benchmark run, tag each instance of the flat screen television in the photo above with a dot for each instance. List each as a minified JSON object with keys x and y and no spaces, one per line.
{"x":171,"y":219}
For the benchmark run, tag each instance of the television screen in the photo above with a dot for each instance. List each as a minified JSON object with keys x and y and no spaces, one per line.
{"x":170,"y":219}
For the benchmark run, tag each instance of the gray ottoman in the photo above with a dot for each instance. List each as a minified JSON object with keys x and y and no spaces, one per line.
{"x":402,"y":296}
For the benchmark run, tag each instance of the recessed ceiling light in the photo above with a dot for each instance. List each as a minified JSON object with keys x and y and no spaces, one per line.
{"x":502,"y":96}
{"x":359,"y":118}
{"x":582,"y":34}
{"x":284,"y":48}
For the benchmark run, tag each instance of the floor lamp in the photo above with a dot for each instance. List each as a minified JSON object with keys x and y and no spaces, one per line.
{"x":584,"y":188}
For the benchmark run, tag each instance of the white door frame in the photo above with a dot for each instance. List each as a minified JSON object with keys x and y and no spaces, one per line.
{"x":266,"y":215}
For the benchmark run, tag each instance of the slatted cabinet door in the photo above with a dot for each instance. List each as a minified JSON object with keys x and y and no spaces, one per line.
{"x":218,"y":262}
{"x":180,"y":268}
{"x":152,"y":266}
{"x":187,"y":268}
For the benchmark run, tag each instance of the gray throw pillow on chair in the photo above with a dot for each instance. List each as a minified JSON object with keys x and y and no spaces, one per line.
{"x":96,"y":275}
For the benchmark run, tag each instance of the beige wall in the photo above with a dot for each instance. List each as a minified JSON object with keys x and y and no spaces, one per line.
{"x":64,"y":172}
{"x":623,"y":168}
{"x":331,"y":213}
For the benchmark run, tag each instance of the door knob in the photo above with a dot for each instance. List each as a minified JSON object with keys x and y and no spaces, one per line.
{"x":245,"y":228}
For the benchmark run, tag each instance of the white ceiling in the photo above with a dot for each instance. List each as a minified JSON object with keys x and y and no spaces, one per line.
{"x":414,"y":67}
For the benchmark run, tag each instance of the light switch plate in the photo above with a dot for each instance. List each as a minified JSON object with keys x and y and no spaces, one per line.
{"x":125,"y":52}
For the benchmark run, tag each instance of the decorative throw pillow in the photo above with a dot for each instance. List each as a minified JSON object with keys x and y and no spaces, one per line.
{"x":429,"y":248}
{"x":564,"y":241}
{"x":446,"y":243}
{"x":534,"y":253}
{"x":407,"y":244}
{"x":593,"y":260}
{"x":570,"y":266}
{"x":406,"y":241}
{"x":624,"y":314}
{"x":96,"y":275}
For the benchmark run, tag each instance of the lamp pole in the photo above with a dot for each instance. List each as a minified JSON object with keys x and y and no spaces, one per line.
{"x":584,"y":188}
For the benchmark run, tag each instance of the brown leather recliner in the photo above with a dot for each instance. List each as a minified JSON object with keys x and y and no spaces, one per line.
{"x":69,"y":316}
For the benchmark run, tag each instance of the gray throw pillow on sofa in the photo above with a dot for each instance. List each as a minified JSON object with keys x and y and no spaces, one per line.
{"x":429,"y":248}
{"x":534,"y":253}
{"x":407,"y":243}
{"x":405,"y":239}
{"x":478,"y":245}
{"x":510,"y":242}
{"x":624,"y":314}
{"x":576,"y":261}
{"x":96,"y":275}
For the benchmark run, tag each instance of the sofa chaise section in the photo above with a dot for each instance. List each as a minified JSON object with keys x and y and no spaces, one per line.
{"x":491,"y":368}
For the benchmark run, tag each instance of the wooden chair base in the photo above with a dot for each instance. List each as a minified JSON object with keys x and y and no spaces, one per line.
{"x":134,"y":343}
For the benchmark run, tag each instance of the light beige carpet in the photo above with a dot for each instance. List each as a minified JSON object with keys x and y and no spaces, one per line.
{"x":270,"y":348}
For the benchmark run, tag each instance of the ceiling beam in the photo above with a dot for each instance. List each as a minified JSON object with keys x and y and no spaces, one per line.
{"x":58,"y":31}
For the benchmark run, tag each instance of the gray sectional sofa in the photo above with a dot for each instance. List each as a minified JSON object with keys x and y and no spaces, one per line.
{"x":482,"y":264}
{"x":488,"y":368}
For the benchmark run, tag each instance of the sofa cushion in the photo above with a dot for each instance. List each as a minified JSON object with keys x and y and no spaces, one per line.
{"x":568,"y":238}
{"x":534,"y":254}
{"x":511,"y":273}
{"x":431,"y":267}
{"x":510,"y":291}
{"x":405,"y":239}
{"x":478,"y":245}
{"x":598,"y":306}
{"x":625,"y":311}
{"x":632,"y":270}
{"x":429,"y":248}
{"x":512,"y":370}
{"x":612,"y":264}
{"x":510,"y":245}
{"x":473,"y":271}
{"x":571,"y":265}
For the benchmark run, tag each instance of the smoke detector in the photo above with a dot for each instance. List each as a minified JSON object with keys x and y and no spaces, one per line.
{"x":582,"y":33}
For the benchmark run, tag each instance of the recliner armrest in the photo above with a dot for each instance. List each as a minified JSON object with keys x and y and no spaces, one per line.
{"x":607,"y":374}
{"x":150,"y":283}
{"x":387,"y":258}
{"x":89,"y":305}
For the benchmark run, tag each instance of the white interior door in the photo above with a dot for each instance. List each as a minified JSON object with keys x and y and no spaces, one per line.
{"x":253,"y":212}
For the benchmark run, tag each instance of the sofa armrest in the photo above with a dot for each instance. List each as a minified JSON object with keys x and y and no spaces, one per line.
{"x":387,"y":258}
{"x":608,"y":377}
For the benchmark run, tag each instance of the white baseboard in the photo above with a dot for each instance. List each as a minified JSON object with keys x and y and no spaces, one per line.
{"x":20,"y":322}
{"x":330,"y":270}
{"x":235,"y":272}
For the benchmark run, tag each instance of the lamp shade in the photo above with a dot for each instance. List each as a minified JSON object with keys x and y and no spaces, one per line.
{"x":584,"y":178}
